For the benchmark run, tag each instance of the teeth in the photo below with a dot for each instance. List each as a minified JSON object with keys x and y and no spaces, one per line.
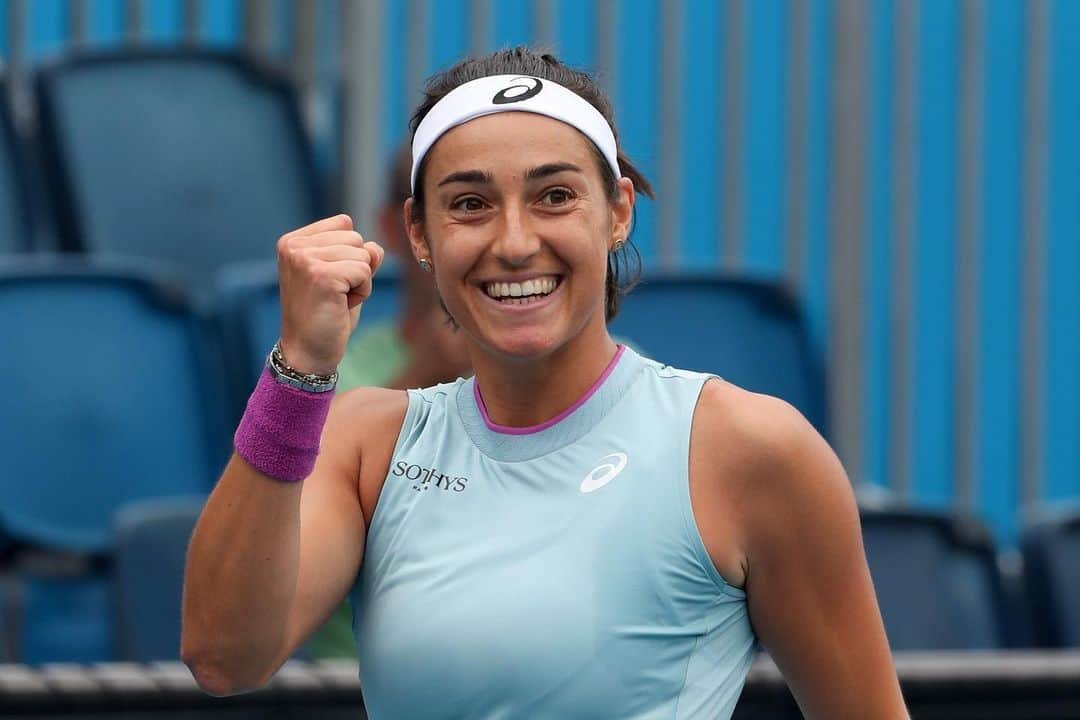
{"x":525,"y":290}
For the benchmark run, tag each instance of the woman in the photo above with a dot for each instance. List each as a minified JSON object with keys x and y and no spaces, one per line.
{"x":577,"y":531}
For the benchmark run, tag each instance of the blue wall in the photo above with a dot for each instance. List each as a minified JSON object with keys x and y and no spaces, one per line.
{"x":764,"y":185}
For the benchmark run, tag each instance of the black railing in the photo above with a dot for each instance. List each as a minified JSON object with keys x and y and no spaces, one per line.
{"x":937,"y":686}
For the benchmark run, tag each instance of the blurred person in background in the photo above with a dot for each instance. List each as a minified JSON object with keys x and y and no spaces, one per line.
{"x":419,"y":348}
{"x":576,"y":531}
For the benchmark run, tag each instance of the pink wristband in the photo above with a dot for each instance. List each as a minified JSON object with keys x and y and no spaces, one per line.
{"x":280,"y":431}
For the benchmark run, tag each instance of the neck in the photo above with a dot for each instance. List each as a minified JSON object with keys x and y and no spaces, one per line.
{"x":527,"y":392}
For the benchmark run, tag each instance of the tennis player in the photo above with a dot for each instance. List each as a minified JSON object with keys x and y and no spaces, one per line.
{"x":577,"y":531}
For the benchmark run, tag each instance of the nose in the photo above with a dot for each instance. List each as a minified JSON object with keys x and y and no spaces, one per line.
{"x":516,"y":242}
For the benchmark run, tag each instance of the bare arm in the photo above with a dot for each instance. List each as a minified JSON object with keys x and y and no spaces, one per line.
{"x":810,"y":596}
{"x":240,"y":578}
{"x":269,"y":561}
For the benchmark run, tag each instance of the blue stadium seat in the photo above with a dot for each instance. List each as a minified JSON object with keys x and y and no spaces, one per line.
{"x":193,"y":157}
{"x":1051,"y":547}
{"x":149,"y":547}
{"x":936,"y":580}
{"x":121,"y":398}
{"x":14,"y":218}
{"x":748,"y":331}
{"x":249,"y":312}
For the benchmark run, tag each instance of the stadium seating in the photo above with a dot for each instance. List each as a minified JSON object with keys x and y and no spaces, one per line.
{"x":62,"y":611}
{"x":936,"y":580}
{"x":749,"y":331}
{"x":149,"y":547}
{"x":14,"y":219}
{"x":194,"y":158}
{"x":120,"y":397}
{"x":1051,"y":547}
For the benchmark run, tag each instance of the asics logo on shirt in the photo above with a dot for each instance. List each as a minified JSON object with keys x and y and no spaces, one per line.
{"x":610,"y":466}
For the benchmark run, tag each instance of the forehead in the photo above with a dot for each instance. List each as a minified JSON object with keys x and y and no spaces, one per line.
{"x":509,"y":141}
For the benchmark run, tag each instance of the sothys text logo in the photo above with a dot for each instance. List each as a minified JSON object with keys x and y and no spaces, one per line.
{"x":424,"y":478}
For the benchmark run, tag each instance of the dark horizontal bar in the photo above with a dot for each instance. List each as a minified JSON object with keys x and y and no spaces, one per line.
{"x":955,"y":685}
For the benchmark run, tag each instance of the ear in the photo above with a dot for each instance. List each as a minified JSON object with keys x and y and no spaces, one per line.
{"x":415,"y":229}
{"x":622,"y":211}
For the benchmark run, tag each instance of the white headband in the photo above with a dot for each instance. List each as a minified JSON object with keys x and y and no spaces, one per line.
{"x":503,"y":93}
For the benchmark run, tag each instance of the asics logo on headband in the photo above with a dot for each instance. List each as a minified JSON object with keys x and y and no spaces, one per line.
{"x":506,"y":93}
{"x":503,"y":97}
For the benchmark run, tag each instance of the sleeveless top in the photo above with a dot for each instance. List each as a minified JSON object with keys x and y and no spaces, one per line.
{"x":548,"y":572}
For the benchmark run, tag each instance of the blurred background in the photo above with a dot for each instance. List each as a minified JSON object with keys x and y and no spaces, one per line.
{"x":868,"y":207}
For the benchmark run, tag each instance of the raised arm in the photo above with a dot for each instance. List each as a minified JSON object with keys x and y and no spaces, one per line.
{"x":270,"y":558}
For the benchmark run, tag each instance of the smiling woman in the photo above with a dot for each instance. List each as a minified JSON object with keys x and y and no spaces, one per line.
{"x":577,"y":531}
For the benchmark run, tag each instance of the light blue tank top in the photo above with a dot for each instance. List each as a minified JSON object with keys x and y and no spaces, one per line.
{"x":557,"y":573}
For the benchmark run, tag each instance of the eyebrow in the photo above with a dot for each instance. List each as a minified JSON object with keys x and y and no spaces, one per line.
{"x":468,"y":176}
{"x":542,"y":171}
{"x":486,"y":178}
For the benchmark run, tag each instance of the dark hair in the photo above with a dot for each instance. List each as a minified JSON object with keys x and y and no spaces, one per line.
{"x":623,"y":266}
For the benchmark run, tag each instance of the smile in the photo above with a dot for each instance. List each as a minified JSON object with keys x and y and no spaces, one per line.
{"x":522,"y":293}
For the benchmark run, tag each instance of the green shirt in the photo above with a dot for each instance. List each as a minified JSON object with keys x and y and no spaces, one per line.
{"x":374,"y":356}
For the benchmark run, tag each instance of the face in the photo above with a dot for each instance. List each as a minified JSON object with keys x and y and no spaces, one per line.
{"x":518,"y":226}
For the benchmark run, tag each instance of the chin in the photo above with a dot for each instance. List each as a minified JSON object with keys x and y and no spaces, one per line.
{"x":523,"y":345}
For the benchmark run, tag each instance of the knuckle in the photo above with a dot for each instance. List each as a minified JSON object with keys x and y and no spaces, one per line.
{"x":294,"y":256}
{"x":289,"y":246}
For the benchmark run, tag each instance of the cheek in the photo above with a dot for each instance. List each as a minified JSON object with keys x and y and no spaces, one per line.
{"x":454,"y":248}
{"x":453,"y":255}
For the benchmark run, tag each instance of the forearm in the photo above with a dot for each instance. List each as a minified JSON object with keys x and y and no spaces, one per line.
{"x":240,"y":579}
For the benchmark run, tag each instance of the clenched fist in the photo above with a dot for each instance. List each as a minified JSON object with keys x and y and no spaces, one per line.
{"x":325,"y":273}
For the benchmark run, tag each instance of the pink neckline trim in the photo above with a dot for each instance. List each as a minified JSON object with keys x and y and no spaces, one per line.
{"x":510,"y":430}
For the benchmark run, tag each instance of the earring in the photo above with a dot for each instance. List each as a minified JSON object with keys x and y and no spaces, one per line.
{"x":619,"y":242}
{"x":425,"y":264}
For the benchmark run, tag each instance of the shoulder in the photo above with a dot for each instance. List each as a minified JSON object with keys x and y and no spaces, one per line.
{"x":365,"y":415}
{"x":369,"y":404}
{"x":774,"y":464}
{"x":369,"y":400}
{"x":760,"y":428}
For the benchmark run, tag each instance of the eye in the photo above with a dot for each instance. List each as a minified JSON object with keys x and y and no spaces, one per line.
{"x":468,"y":203}
{"x":557,"y":196}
